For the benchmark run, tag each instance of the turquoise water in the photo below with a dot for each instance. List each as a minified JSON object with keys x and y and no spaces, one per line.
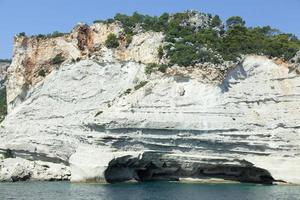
{"x":145,"y":191}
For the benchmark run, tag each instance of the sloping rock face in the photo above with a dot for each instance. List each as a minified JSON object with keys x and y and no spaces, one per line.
{"x":34,"y":57}
{"x":18,"y":169}
{"x":4,"y":64}
{"x":296,"y":60}
{"x":110,"y":122}
{"x":3,"y":68}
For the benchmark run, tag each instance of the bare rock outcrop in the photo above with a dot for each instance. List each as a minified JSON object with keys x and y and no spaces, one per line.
{"x":3,"y":68}
{"x":36,"y":57}
{"x":90,"y":113}
{"x":18,"y":169}
{"x":80,"y":111}
{"x":296,"y":61}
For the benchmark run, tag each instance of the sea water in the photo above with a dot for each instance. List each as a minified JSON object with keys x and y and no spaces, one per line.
{"x":145,"y":191}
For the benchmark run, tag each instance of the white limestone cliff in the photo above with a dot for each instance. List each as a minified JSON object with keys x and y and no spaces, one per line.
{"x":33,"y":55}
{"x":3,"y":67}
{"x":18,"y":169}
{"x":97,"y":117}
{"x":87,"y":114}
{"x":4,"y":64}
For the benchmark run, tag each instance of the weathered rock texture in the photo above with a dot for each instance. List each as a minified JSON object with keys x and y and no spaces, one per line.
{"x":18,"y":169}
{"x":3,"y":68}
{"x":296,"y":60}
{"x":33,"y":56}
{"x":4,"y":64}
{"x":98,"y":113}
{"x":91,"y":114}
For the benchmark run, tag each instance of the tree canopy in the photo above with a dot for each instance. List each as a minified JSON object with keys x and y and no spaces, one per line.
{"x":185,"y":45}
{"x":234,"y":21}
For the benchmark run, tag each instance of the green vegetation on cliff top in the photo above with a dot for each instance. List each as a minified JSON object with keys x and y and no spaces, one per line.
{"x":192,"y":37}
{"x":186,"y":44}
{"x":112,"y":41}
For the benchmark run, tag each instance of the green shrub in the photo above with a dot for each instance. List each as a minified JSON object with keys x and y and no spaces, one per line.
{"x":6,"y":60}
{"x":42,"y":73}
{"x":234,"y":21}
{"x":153,"y":67}
{"x":150,"y":68}
{"x":160,"y":52}
{"x":109,"y":21}
{"x":140,"y":85}
{"x":9,"y":154}
{"x":128,"y":91}
{"x":99,"y":21}
{"x":22,"y":34}
{"x":180,"y":17}
{"x":183,"y":54}
{"x":187,"y":46}
{"x":128,"y":39}
{"x":112,"y":41}
{"x":162,"y":68}
{"x":281,"y":46}
{"x":41,"y":36}
{"x":127,"y":22}
{"x":55,"y":34}
{"x":243,"y":40}
{"x":216,"y":21}
{"x":58,"y":59}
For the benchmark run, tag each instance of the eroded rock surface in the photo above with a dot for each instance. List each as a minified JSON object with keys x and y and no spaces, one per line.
{"x":36,"y":57}
{"x":91,"y":114}
{"x":18,"y":169}
{"x":296,"y":60}
{"x":81,"y":111}
{"x":158,"y":166}
{"x":4,"y":64}
{"x":3,"y":68}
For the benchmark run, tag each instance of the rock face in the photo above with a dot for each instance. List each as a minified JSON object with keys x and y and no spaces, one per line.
{"x":110,"y":122}
{"x":3,"y":71}
{"x":160,"y":166}
{"x":17,"y":169}
{"x":34,"y":57}
{"x":81,"y":111}
{"x":200,"y":21}
{"x":4,"y":64}
{"x":296,"y":60}
{"x":3,"y":68}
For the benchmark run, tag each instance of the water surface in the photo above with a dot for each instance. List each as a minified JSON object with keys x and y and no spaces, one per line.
{"x":145,"y":191}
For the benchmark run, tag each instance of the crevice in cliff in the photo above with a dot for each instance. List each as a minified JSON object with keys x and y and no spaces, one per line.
{"x":285,"y":78}
{"x":258,"y":101}
{"x":283,"y":126}
{"x":84,"y":40}
{"x":35,"y":156}
{"x":166,"y":131}
{"x":153,"y":166}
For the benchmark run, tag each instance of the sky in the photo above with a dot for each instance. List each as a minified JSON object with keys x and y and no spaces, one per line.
{"x":46,"y":16}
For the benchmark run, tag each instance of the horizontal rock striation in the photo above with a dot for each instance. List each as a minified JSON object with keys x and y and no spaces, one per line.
{"x":110,"y":122}
{"x":83,"y":112}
